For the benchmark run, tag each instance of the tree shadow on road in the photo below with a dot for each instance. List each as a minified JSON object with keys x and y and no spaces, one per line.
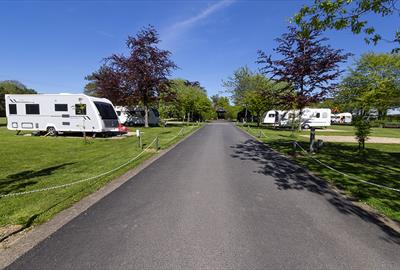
{"x":289,"y":176}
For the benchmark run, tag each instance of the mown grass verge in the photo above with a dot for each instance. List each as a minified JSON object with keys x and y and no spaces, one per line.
{"x":30,"y":163}
{"x":379,"y":164}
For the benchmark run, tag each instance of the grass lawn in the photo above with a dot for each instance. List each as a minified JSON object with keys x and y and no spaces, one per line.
{"x":29,"y":163}
{"x":380,"y":164}
{"x":343,"y":130}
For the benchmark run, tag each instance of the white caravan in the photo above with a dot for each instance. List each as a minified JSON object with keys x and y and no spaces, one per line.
{"x":274,"y":117}
{"x":342,"y":118}
{"x":133,"y":116}
{"x":55,"y":113}
{"x":309,"y":118}
{"x":123,"y":114}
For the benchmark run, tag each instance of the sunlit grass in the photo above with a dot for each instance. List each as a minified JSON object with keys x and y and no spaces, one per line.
{"x":378,"y":164}
{"x":29,"y":163}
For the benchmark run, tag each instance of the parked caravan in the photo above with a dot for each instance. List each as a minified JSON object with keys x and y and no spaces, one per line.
{"x":274,"y":117}
{"x":310,"y":117}
{"x":123,"y":114}
{"x":316,"y":118}
{"x":342,"y":118}
{"x":55,"y":113}
{"x":135,"y":116}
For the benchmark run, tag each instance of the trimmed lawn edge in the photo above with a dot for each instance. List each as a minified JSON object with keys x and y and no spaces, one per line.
{"x":381,"y":218}
{"x":18,"y":244}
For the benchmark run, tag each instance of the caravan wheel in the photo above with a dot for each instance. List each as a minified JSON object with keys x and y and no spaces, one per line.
{"x":52,"y":131}
{"x":306,"y":126}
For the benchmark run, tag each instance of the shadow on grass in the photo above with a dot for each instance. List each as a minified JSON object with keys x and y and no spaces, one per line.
{"x":31,"y":220}
{"x":19,"y":181}
{"x":288,"y":176}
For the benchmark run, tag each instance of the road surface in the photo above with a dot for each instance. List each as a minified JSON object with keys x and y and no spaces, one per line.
{"x":219,"y":200}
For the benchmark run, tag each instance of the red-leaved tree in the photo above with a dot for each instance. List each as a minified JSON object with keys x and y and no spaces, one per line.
{"x":306,"y":65}
{"x":105,"y":83}
{"x":141,"y":77}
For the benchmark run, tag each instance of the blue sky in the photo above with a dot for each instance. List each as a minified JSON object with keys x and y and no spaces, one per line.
{"x":52,"y":45}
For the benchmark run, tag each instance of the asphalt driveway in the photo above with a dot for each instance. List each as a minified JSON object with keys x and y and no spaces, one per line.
{"x":220,"y":200}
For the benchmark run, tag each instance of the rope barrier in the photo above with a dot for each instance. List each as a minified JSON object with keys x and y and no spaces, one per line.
{"x":345,"y":174}
{"x":82,"y":180}
{"x":90,"y":178}
{"x":342,"y":173}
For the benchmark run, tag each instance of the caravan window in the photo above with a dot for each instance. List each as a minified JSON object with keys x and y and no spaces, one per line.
{"x":12,"y":108}
{"x":61,"y":107}
{"x":106,"y":110}
{"x":80,"y":109}
{"x":32,"y":109}
{"x":271,"y":115}
{"x":317,"y":115}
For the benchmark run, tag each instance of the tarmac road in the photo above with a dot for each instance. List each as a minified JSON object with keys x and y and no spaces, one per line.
{"x":220,"y":200}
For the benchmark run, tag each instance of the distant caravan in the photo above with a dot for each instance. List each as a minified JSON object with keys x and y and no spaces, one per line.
{"x":310,"y":118}
{"x":134,"y":116}
{"x":59,"y":113}
{"x":342,"y":118}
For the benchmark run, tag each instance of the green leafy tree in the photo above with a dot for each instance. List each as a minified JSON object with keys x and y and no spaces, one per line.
{"x":349,"y":14}
{"x":253,"y":92}
{"x":363,"y":130}
{"x":373,"y":83}
{"x":238,"y":84}
{"x":261,"y":96}
{"x":190,"y":102}
{"x":11,"y":87}
{"x":220,"y":102}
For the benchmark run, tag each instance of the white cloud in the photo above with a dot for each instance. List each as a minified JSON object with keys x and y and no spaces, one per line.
{"x":172,"y":32}
{"x":202,"y":15}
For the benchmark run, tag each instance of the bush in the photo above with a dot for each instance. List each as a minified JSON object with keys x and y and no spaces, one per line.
{"x":363,"y":130}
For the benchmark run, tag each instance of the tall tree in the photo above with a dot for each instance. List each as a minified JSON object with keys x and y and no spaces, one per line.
{"x":261,"y":97}
{"x":373,"y":83}
{"x":238,"y":84}
{"x":306,"y":65}
{"x":349,"y":14}
{"x":141,"y":77}
{"x":220,"y":102}
{"x":190,"y":102}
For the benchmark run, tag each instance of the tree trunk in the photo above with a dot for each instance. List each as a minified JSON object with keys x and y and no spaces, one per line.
{"x":312,"y":139}
{"x":146,"y":116}
{"x":300,"y":114}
